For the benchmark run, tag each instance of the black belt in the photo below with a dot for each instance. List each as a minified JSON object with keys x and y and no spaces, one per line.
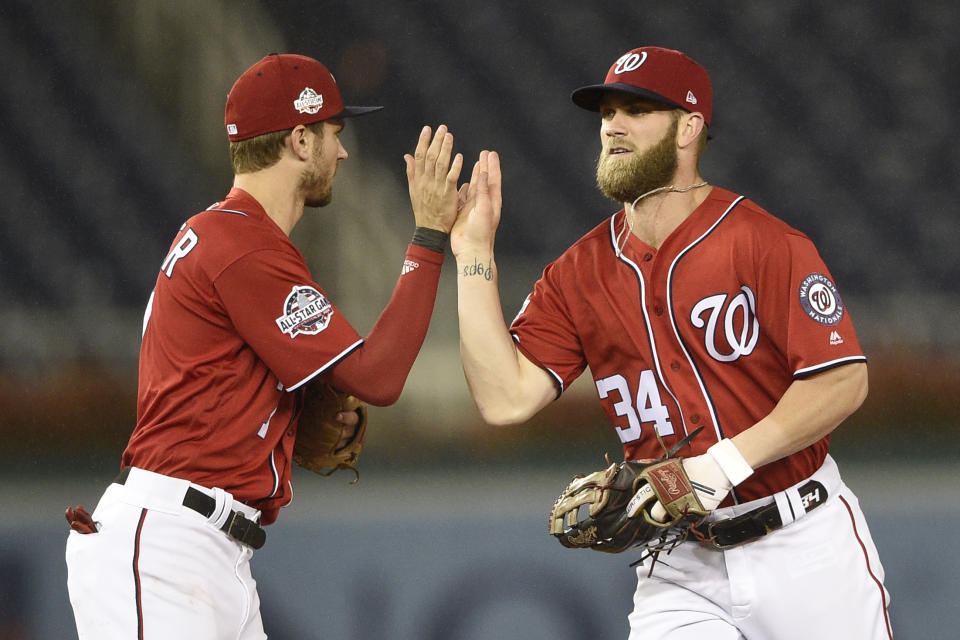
{"x":237,"y":526}
{"x":749,"y":526}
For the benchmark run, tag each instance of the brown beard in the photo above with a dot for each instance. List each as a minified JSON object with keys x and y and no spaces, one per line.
{"x":319,"y":200}
{"x":626,"y":179}
{"x":317,"y":187}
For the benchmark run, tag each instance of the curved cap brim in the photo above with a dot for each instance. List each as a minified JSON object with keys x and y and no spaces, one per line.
{"x":589,"y":97}
{"x":350,"y":112}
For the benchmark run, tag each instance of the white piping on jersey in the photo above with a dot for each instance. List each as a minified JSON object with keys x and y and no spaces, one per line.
{"x":646,"y":319}
{"x":241,"y":213}
{"x":553,"y":373}
{"x":800,"y":373}
{"x":337,"y":358}
{"x":276,"y":476}
{"x":703,"y":389}
{"x":147,"y":314}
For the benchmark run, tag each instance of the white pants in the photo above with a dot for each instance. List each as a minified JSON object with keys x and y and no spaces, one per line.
{"x":159,"y":570}
{"x":817,"y":577}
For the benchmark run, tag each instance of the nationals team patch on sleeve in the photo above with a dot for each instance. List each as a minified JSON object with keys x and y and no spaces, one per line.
{"x":820,"y":299}
{"x":305,"y":310}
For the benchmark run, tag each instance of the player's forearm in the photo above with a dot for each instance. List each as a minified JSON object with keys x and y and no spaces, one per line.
{"x":809,"y":410}
{"x":493,"y":368}
{"x":378,"y":370}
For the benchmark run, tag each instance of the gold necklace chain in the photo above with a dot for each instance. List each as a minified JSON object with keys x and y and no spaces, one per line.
{"x":629,"y":216}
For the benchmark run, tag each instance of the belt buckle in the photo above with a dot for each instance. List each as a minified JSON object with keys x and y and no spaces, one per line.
{"x":245,"y":530}
{"x":747,"y":527}
{"x":238,"y":525}
{"x":709,"y":538}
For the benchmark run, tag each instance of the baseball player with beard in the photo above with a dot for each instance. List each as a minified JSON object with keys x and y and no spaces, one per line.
{"x":693,"y":307}
{"x":234,"y":332}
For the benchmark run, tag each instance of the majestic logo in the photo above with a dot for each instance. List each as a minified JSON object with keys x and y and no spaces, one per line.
{"x":309,"y":101}
{"x":630,"y":62}
{"x":835,"y":338}
{"x":643,"y":494}
{"x":305,"y":310}
{"x":740,"y":325}
{"x":820,"y":299}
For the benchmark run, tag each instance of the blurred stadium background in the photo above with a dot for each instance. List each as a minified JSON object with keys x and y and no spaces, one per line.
{"x":839,"y":117}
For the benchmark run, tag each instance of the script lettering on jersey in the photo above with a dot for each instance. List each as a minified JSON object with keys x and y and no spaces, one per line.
{"x":187,"y":243}
{"x":741,"y":311}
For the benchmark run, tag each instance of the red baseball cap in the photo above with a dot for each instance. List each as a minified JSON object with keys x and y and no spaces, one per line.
{"x":280,"y":92}
{"x":655,"y":73}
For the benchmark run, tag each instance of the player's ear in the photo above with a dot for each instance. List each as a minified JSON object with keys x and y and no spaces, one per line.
{"x":298,"y":142}
{"x":689,"y":128}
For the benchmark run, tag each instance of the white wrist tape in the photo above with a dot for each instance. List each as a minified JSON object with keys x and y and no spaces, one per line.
{"x":731,"y":461}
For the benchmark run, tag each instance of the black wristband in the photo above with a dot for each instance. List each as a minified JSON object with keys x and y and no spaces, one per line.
{"x":432,"y":239}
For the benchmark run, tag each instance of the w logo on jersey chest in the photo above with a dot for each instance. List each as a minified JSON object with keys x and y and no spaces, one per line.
{"x":740,"y":327}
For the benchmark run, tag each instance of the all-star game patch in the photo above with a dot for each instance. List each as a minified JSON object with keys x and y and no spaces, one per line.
{"x":305,"y":310}
{"x":820,"y":299}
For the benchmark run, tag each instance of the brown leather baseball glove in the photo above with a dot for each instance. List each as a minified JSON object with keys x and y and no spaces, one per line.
{"x":319,"y":431}
{"x":617,"y":502}
{"x":610,"y":510}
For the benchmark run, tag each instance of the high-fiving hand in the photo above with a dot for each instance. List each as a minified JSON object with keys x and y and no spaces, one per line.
{"x":480,"y":202}
{"x":432,"y":179}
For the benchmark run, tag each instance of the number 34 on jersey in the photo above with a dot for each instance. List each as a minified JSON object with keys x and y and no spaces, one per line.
{"x":643,"y":406}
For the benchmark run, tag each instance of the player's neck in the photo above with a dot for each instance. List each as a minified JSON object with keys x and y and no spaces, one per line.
{"x":276,"y":193}
{"x":653,"y":218}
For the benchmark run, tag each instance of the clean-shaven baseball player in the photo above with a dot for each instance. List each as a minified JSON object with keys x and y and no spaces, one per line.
{"x":234,"y":330}
{"x":693,"y":307}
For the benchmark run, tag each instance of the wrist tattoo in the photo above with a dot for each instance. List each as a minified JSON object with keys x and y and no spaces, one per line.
{"x":485,"y":271}
{"x":432,"y":239}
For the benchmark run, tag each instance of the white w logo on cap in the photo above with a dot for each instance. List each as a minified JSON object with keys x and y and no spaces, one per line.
{"x":629,"y":62}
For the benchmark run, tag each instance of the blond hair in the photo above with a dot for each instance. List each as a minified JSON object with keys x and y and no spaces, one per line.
{"x":263,"y":151}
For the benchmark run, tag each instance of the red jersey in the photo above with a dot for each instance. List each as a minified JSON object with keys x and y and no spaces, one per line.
{"x":708,"y":330}
{"x":234,"y":327}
